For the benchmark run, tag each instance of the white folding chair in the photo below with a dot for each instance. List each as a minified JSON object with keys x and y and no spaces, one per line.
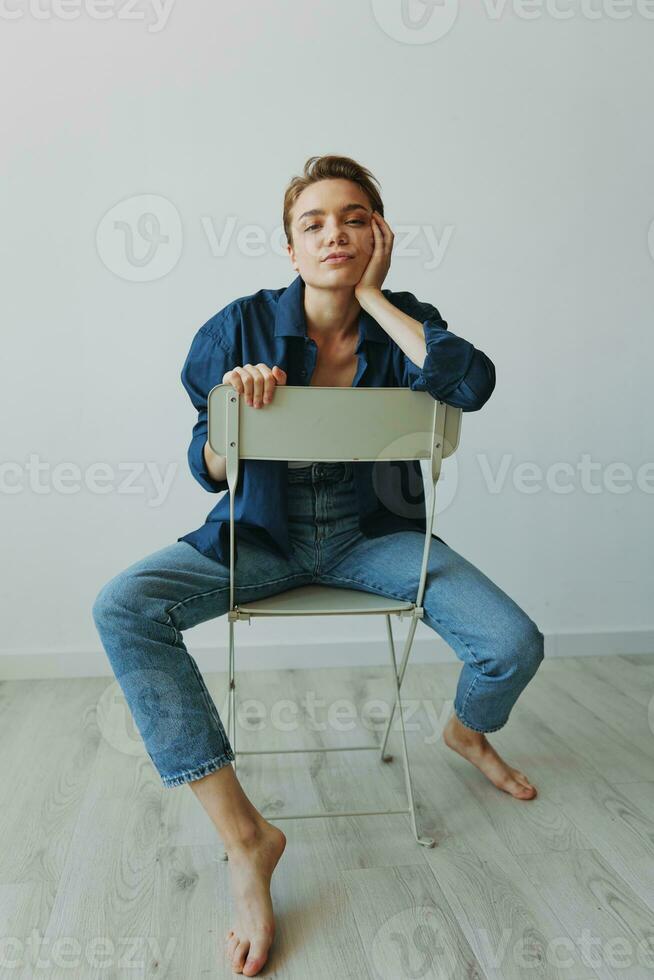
{"x":333,"y":424}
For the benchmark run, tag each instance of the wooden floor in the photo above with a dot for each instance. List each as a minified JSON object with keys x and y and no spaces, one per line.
{"x":116,"y":876}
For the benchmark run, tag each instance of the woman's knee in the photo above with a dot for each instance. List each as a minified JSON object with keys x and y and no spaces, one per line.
{"x":122,"y":592}
{"x":522,"y":647}
{"x":533,"y":644}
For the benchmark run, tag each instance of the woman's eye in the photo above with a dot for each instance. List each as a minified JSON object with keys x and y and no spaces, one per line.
{"x":354,"y":221}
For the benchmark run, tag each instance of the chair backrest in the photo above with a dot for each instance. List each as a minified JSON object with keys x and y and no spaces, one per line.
{"x":333,"y":424}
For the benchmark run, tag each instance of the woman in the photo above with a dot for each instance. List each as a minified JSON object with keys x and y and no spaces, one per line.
{"x":329,"y":523}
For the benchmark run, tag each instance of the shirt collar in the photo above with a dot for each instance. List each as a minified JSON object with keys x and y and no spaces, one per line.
{"x":290,"y":320}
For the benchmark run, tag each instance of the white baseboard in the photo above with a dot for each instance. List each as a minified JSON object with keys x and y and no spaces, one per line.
{"x":23,"y":665}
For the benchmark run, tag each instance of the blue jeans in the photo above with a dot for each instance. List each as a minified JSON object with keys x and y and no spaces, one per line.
{"x":141,"y":613}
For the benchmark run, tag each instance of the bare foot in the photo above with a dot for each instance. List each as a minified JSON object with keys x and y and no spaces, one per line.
{"x":475,"y":747}
{"x":251,"y":865}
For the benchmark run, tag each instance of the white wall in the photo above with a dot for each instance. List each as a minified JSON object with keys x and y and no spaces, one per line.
{"x":525,"y":147}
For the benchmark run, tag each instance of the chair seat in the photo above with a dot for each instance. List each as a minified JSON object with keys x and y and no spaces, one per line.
{"x":323,"y":600}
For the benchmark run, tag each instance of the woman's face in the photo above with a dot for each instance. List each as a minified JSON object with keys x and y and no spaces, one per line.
{"x":331,"y":216}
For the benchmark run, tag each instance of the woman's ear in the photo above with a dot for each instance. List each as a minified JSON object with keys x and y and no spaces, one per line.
{"x":291,"y":252}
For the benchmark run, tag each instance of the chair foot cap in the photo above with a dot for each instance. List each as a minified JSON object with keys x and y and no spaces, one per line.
{"x":426,"y":841}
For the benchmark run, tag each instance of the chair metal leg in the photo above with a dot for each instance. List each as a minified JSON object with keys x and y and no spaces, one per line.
{"x":231,"y":709}
{"x":229,"y":685}
{"x":405,"y":658}
{"x":424,"y":841}
{"x":397,"y":677}
{"x":231,"y":705}
{"x":384,"y":756}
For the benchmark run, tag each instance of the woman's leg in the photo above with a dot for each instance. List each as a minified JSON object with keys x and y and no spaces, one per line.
{"x":140,"y":615}
{"x":254,"y":847}
{"x":500,"y":645}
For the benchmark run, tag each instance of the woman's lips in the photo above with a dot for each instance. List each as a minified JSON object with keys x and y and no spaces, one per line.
{"x":338,"y":259}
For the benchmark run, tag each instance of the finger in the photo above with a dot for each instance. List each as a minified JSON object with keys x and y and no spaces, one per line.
{"x":382,"y":239}
{"x":381,"y":244}
{"x":385,"y":229}
{"x":234,"y":379}
{"x":268,"y":383}
{"x":246,"y":383}
{"x":386,"y":233}
{"x":373,"y":244}
{"x":257,"y":383}
{"x":280,"y":375}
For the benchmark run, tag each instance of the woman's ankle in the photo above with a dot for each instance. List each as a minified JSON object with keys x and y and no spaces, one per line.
{"x":250,"y":837}
{"x":248,"y":831}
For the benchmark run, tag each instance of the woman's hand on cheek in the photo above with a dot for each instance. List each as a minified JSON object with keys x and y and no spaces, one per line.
{"x":380,"y":258}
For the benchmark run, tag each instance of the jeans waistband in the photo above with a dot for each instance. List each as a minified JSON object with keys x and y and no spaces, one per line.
{"x":321,"y":473}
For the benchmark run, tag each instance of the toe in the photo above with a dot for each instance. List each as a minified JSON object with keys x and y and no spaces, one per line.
{"x":256,"y":958}
{"x":230,"y":945}
{"x":521,"y":778}
{"x":239,"y":956}
{"x":252,"y":966}
{"x":515,"y":787}
{"x":526,"y":792}
{"x":529,"y":785}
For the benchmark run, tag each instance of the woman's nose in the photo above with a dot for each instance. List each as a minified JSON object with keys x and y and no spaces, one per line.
{"x":336,"y":234}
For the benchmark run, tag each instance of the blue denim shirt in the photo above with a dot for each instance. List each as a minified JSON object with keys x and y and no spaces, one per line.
{"x":269,"y":326}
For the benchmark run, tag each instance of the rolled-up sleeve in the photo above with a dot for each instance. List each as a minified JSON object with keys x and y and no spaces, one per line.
{"x":204,"y":368}
{"x":455,"y":371}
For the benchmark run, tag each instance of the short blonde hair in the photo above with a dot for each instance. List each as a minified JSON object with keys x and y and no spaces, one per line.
{"x":325,"y":168}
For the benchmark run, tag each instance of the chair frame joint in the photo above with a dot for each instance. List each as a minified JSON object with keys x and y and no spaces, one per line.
{"x":234,"y":615}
